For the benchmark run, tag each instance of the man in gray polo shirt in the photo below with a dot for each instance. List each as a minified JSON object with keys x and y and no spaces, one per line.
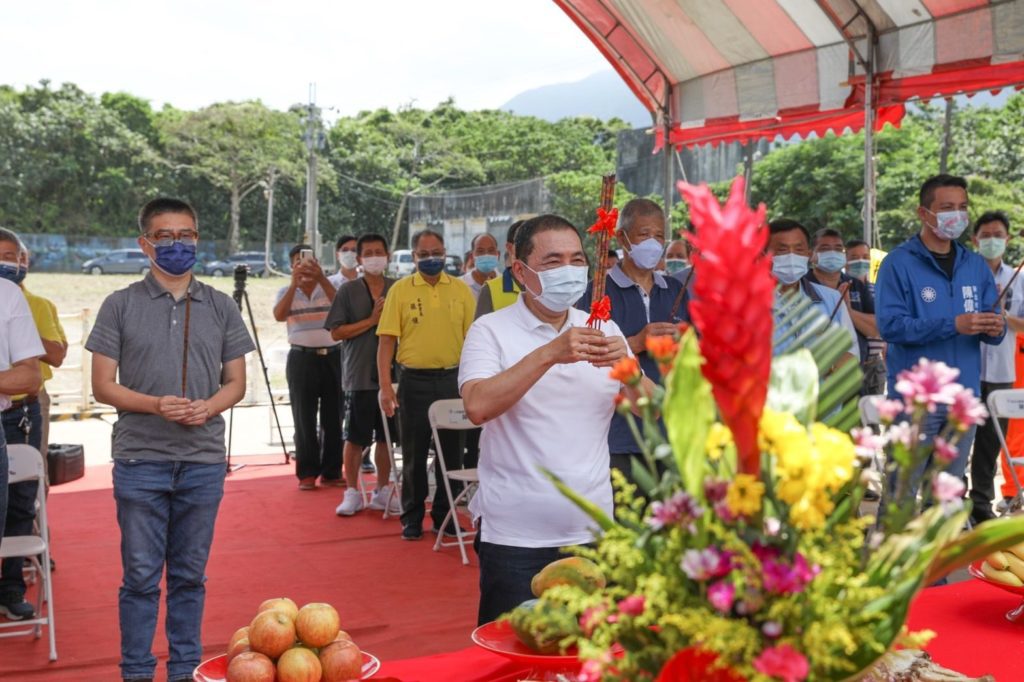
{"x":169,"y":354}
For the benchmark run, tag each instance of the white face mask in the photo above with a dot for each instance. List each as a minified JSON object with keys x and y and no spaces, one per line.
{"x":561,"y":287}
{"x":375,"y":265}
{"x":347,"y":259}
{"x":789,"y":268}
{"x":647,"y":254}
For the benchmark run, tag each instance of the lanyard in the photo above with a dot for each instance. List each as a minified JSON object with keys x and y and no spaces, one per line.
{"x":184,"y":353}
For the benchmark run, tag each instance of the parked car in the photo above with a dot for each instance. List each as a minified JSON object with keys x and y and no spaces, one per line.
{"x":253,"y":259}
{"x":453,"y":265}
{"x":121,"y":261}
{"x":401,"y":263}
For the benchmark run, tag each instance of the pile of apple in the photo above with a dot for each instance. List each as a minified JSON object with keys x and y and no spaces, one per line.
{"x":287,"y":644}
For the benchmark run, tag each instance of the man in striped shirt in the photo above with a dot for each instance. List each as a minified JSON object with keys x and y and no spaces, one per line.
{"x":313,"y":370}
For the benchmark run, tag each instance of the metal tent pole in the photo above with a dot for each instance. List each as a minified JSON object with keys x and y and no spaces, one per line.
{"x":869,"y":139}
{"x":667,"y":169}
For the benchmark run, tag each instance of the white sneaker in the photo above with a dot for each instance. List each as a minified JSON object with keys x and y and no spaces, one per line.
{"x":350,"y":504}
{"x":381,"y":496}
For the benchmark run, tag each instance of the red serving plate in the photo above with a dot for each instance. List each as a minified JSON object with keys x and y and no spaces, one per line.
{"x":1015,"y":615}
{"x":216,"y":669}
{"x":498,"y":637}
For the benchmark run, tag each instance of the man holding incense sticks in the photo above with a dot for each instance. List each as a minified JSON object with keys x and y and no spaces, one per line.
{"x":169,"y":353}
{"x":643,"y":303}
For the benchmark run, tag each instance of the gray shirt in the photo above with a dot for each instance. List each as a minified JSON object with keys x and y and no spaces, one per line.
{"x":354,"y":303}
{"x":142,"y":328}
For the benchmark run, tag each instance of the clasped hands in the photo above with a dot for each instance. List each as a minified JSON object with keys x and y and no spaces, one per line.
{"x":584,"y":344}
{"x":184,"y":411}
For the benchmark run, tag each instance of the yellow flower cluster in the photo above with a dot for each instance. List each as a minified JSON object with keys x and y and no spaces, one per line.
{"x":743,"y":497}
{"x":811,"y":465}
{"x":719,"y":438}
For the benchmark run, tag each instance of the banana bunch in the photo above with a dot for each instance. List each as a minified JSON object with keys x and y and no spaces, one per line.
{"x":1005,"y":567}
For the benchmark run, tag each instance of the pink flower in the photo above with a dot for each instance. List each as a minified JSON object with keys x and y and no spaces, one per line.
{"x":948,"y":489}
{"x":680,"y":509}
{"x":715,"y":490}
{"x":783,"y":662}
{"x":888,"y":410}
{"x":703,"y":564}
{"x":945,"y":451}
{"x":592,"y":617}
{"x":967,"y":411}
{"x":590,"y":671}
{"x":928,"y":384}
{"x":781,"y":578}
{"x":721,"y":595}
{"x":632,"y":605}
{"x":904,"y":433}
{"x":867,"y":442}
{"x":771,"y":628}
{"x":722,"y":512}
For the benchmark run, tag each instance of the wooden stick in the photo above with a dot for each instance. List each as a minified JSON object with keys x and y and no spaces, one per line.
{"x":681,"y":295}
{"x":999,"y":301}
{"x":603,"y":241}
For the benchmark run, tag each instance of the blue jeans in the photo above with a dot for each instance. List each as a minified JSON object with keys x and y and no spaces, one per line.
{"x":21,"y":425}
{"x":166,"y":511}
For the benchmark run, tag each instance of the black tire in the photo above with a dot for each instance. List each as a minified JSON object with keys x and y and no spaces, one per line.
{"x":217,"y":273}
{"x":95,"y":270}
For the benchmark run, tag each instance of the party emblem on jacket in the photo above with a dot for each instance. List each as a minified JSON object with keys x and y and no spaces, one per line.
{"x":928,"y":294}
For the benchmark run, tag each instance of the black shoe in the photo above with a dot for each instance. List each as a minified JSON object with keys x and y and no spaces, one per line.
{"x":17,"y":610}
{"x":412,"y":532}
{"x":449,"y":530}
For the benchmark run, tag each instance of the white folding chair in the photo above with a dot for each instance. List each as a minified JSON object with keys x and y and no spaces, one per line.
{"x":451,"y":414}
{"x":26,"y":464}
{"x":1008,"y":404}
{"x":395,"y":491}
{"x":869,"y":418}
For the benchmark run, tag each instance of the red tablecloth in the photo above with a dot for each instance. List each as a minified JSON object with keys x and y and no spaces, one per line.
{"x":973,"y":638}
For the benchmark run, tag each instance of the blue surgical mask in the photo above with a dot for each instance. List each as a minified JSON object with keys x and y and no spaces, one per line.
{"x":789,"y":268}
{"x":561,"y":287}
{"x":9,"y":271}
{"x":176,"y":259}
{"x":950,"y":224}
{"x":430,"y":266}
{"x":647,"y":253}
{"x":674,"y":265}
{"x":486,"y":264}
{"x":858,"y":269}
{"x":992,"y":247}
{"x":831,"y":261}
{"x":20,"y":277}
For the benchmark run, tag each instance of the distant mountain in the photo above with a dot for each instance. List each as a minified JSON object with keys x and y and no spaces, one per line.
{"x":603,"y":95}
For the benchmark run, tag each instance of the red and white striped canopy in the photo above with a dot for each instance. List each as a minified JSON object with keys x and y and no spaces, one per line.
{"x":725,"y":70}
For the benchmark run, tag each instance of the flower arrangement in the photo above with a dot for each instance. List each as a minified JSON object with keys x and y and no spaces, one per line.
{"x":742,"y":554}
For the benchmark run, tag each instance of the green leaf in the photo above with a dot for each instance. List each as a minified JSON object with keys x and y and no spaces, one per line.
{"x":976,"y":544}
{"x":688,"y":413}
{"x":793,"y":386}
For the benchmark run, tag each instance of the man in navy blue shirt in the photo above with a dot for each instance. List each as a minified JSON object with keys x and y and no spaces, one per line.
{"x":935,"y":299}
{"x":644,"y":303}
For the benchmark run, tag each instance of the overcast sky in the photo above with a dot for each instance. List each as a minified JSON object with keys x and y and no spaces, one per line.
{"x":361,"y":55}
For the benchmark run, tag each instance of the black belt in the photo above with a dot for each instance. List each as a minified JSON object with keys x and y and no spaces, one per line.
{"x":415,"y":371}
{"x":20,"y":404}
{"x":325,"y":350}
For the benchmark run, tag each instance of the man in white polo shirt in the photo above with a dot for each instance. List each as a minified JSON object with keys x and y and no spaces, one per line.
{"x":538,"y":380}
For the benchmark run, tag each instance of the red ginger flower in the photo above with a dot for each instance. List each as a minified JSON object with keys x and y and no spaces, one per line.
{"x":600,"y":311}
{"x":732,"y":310}
{"x":694,"y":664}
{"x":606,"y":222}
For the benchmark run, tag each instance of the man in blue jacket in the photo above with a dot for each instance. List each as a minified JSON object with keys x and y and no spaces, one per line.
{"x":936,"y":299}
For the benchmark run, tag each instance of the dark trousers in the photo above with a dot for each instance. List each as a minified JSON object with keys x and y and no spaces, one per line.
{"x":984,"y":461}
{"x":313,"y":382}
{"x":505,"y":575}
{"x":472,"y":457}
{"x":21,"y":425}
{"x":417,"y":390}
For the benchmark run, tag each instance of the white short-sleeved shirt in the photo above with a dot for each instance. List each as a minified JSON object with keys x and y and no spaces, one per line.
{"x":560,"y":424}
{"x":997,"y":362}
{"x":306,"y":318}
{"x":19,"y":339}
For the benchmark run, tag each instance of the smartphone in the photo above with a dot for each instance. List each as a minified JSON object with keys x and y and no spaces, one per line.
{"x":306,"y":254}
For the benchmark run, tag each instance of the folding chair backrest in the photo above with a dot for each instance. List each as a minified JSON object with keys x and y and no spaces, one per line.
{"x":26,"y":464}
{"x":869,"y":410}
{"x":1006,"y":403}
{"x":449,"y":414}
{"x":384,"y":419}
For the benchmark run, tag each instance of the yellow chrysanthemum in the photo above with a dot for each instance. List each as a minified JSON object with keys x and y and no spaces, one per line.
{"x":743,"y":497}
{"x":719,"y":438}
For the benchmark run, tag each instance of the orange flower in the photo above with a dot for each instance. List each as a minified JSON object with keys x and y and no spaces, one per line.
{"x":606,"y":222}
{"x":627,"y":371}
{"x":662,"y":348}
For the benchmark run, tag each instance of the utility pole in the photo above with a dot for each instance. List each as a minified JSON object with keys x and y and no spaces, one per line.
{"x":313,"y":136}
{"x":268,"y":192}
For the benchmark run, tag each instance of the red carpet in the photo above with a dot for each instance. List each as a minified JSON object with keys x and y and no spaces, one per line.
{"x":397,"y":599}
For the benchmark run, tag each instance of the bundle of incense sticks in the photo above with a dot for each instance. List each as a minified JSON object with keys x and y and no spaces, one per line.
{"x":604,"y":228}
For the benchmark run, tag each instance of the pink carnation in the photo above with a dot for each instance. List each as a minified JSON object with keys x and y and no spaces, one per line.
{"x":949,"y":490}
{"x":945,"y":451}
{"x":783,"y":662}
{"x":867,"y":442}
{"x":888,"y":410}
{"x":967,"y":411}
{"x":703,"y":564}
{"x":721,"y":595}
{"x":632,"y":605}
{"x":928,"y":384}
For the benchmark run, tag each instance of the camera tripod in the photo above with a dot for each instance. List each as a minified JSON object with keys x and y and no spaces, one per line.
{"x":240,"y":294}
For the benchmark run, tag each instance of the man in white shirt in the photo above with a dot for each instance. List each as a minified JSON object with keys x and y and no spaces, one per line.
{"x":20,"y":350}
{"x":348,"y":261}
{"x":998,"y":368}
{"x":538,"y":380}
{"x":485,"y":263}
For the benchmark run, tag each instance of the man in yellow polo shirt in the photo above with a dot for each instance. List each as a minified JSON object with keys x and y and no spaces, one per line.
{"x":427,"y":315}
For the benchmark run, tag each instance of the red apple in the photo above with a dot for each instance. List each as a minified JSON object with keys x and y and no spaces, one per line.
{"x":240,"y":633}
{"x":298,"y":665}
{"x":317,"y":624}
{"x":271,"y":633}
{"x":238,"y":647}
{"x":343,"y":635}
{"x":251,"y":667}
{"x":280,"y":604}
{"x":341,"y":660}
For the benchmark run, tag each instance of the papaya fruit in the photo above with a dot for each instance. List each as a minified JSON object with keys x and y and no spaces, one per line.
{"x":582,"y":573}
{"x":542,"y":626}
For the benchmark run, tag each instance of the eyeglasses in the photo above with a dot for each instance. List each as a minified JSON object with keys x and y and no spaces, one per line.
{"x":167,"y":238}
